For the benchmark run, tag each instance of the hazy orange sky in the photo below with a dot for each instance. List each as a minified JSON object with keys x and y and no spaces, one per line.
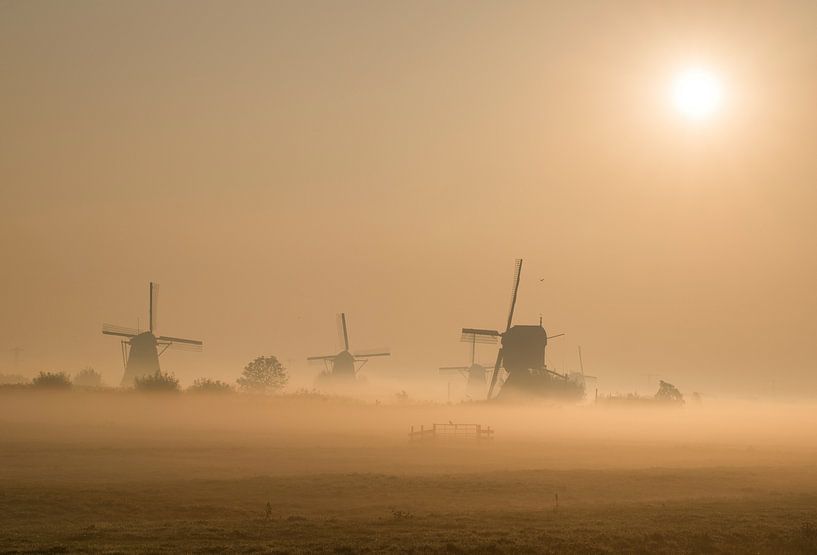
{"x":273,"y":163}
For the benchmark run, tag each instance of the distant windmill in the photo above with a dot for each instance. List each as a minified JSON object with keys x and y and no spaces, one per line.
{"x":522,"y":355}
{"x":344,"y":366}
{"x":580,"y":376}
{"x":141,"y":349}
{"x":475,"y":373}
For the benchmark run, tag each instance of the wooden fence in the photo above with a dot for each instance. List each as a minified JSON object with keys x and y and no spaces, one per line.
{"x":474,"y":432}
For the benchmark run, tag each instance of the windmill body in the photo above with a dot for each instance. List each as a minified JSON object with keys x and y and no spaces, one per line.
{"x":475,"y":376}
{"x":524,"y":347}
{"x":477,"y":380}
{"x":141,"y":349}
{"x":143,"y":358}
{"x":343,"y":367}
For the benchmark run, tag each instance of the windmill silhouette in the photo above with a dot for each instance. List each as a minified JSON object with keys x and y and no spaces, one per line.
{"x":141,"y":349}
{"x":522,"y":355}
{"x":475,"y":373}
{"x":344,"y":366}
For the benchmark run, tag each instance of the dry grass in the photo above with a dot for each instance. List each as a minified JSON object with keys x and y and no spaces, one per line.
{"x":123,"y":482}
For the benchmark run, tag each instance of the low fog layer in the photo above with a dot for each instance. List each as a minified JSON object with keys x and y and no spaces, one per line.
{"x":119,"y":435}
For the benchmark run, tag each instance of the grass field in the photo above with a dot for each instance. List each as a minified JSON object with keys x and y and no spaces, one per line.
{"x":182,"y":475}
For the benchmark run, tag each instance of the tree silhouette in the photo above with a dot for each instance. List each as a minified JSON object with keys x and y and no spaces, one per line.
{"x":263,"y":374}
{"x":157,"y":382}
{"x":668,"y":392}
{"x":88,"y":377}
{"x":52,"y":380}
{"x":207,"y":385}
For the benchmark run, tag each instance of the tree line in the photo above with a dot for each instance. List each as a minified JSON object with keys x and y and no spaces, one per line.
{"x":264,"y":374}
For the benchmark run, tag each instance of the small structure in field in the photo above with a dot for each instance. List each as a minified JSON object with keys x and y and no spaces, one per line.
{"x":451,"y":431}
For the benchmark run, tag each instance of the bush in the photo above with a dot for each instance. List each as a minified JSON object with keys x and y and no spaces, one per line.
{"x":157,"y":382}
{"x":88,"y":377}
{"x":52,"y":380}
{"x":263,"y":374}
{"x":206,"y":385}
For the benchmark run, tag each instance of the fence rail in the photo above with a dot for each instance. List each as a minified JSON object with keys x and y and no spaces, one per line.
{"x":475,"y":432}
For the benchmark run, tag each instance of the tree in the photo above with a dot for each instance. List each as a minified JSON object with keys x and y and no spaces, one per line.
{"x":157,"y":382}
{"x":263,"y":374}
{"x":206,"y":385}
{"x":668,"y":393}
{"x":88,"y":377}
{"x":52,"y":380}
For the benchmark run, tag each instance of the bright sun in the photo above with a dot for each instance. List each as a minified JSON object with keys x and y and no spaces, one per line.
{"x":697,"y":93}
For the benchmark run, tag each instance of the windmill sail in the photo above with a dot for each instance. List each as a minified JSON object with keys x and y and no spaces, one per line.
{"x":473,"y":335}
{"x":154,"y":306}
{"x":368,"y":353}
{"x":111,"y":329}
{"x":516,"y":275}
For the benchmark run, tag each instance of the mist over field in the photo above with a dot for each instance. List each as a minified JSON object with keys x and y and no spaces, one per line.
{"x":451,"y":276}
{"x":117,"y":470}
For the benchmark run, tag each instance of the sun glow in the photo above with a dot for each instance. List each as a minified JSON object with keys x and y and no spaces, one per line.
{"x":697,"y":93}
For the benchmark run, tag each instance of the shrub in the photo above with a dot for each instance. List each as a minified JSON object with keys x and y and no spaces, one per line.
{"x":263,"y":374}
{"x":157,"y":382}
{"x":88,"y":377}
{"x":206,"y":385}
{"x":52,"y":380}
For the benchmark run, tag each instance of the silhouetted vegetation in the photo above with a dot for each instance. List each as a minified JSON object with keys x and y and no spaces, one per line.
{"x":207,"y":385}
{"x":52,"y":380}
{"x":88,"y":377}
{"x":157,"y":382}
{"x":668,"y":393}
{"x":263,"y":375}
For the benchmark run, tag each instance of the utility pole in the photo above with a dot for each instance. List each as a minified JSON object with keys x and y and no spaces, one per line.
{"x":16,"y":351}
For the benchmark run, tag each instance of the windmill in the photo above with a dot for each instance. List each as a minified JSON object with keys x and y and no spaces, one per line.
{"x":344,"y":366}
{"x":580,"y":376}
{"x":522,"y":355}
{"x":475,"y":373}
{"x":142,"y":349}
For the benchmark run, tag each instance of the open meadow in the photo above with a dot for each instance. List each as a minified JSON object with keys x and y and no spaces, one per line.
{"x":123,"y":472}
